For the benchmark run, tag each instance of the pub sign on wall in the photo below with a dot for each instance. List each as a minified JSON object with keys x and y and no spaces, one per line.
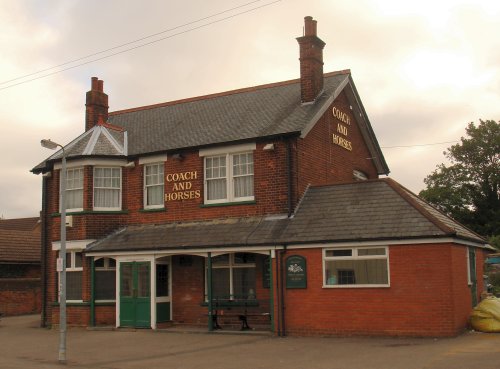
{"x":296,"y":272}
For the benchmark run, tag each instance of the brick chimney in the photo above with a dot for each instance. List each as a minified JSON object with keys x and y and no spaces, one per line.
{"x":96,"y":105}
{"x":311,"y":62}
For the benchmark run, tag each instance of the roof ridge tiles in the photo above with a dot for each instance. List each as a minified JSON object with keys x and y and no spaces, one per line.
{"x":221,"y":94}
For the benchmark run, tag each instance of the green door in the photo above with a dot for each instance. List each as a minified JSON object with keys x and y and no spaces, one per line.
{"x":135,"y":296}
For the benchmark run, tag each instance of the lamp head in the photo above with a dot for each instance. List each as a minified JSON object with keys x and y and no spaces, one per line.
{"x":47,"y":143}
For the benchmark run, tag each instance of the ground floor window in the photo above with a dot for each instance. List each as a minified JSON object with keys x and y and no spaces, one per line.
{"x":74,"y":271}
{"x":233,"y":276}
{"x":356,"y":266}
{"x":105,"y":279}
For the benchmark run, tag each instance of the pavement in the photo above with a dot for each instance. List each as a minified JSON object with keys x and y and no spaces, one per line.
{"x":23,"y":344}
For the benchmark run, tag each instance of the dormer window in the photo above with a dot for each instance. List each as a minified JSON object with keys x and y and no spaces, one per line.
{"x":107,"y":188}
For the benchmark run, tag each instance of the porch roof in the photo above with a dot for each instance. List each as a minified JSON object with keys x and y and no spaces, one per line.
{"x":237,"y":232}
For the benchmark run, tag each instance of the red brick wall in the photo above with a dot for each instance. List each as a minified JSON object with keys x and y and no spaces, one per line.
{"x":76,"y":315}
{"x":428,"y":296}
{"x":105,"y":315}
{"x":320,"y":161}
{"x":20,"y":296}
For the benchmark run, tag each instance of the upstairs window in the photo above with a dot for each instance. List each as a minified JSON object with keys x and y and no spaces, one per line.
{"x":107,"y":188}
{"x":229,"y":178}
{"x":74,"y":189}
{"x":153,"y":186}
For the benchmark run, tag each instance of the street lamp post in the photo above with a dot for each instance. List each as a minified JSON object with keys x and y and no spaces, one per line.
{"x":62,"y":253}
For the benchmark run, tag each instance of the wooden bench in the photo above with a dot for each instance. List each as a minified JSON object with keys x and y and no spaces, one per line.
{"x":225,"y":309}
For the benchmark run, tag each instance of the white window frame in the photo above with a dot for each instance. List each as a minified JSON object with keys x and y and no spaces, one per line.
{"x":231,"y":265}
{"x":162,"y":184}
{"x":469,"y":272}
{"x":119,"y":207}
{"x":72,"y":189}
{"x":229,"y":179}
{"x":356,"y":257}
{"x":72,"y":268}
{"x":106,"y":268}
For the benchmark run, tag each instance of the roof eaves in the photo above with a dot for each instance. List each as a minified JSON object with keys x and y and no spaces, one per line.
{"x":373,"y":145}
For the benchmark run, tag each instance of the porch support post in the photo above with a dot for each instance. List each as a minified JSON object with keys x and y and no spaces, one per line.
{"x":209,"y":292}
{"x":271,"y":290}
{"x":92,"y":292}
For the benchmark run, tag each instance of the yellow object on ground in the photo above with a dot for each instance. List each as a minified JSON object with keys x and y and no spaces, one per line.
{"x":485,"y":316}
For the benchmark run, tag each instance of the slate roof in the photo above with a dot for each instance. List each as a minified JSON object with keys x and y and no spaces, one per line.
{"x":366,"y":211}
{"x":19,"y":240}
{"x":376,"y":210}
{"x":220,"y":118}
{"x":100,"y":140}
{"x":233,"y":116}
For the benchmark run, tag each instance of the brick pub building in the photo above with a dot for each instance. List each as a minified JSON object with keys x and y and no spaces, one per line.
{"x":259,"y":207}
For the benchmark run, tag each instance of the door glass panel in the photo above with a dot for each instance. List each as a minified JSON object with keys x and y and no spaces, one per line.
{"x":161,"y":280}
{"x":126,"y":280}
{"x":143,"y":280}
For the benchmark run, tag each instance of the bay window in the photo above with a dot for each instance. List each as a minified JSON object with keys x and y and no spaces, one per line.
{"x":74,"y":189}
{"x":357,"y":266}
{"x":153,"y":186}
{"x":107,"y":188}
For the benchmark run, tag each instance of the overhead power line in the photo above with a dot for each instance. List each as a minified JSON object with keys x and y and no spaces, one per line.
{"x":135,"y":41}
{"x":426,"y":144}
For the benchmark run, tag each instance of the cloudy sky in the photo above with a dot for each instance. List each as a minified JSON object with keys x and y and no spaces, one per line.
{"x":423,"y":69}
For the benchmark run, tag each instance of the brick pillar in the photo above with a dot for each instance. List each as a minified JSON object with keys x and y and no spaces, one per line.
{"x":311,"y":61}
{"x":96,"y":105}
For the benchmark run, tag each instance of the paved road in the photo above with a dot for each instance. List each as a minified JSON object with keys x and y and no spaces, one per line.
{"x":24,"y":345}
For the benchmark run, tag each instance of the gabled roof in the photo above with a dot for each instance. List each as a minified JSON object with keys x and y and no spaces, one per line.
{"x":377,"y":210}
{"x":20,"y":240}
{"x":234,"y":116}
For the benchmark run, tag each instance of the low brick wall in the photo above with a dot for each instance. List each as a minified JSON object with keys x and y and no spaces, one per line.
{"x":20,"y":296}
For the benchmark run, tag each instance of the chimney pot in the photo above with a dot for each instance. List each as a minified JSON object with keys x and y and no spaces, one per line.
{"x":310,"y":26}
{"x":94,"y":84}
{"x":100,"y":86}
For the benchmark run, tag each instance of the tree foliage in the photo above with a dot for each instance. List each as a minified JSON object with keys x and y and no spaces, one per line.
{"x":468,"y":189}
